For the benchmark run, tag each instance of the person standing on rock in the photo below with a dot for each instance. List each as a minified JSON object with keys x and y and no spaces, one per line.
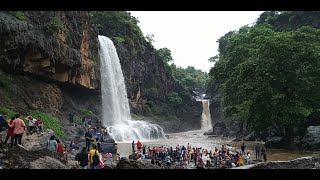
{"x":19,"y":127}
{"x":83,"y":158}
{"x":10,"y":133}
{"x":88,"y":137}
{"x":139,"y":146}
{"x":62,"y":154}
{"x":258,"y":149}
{"x":94,"y":158}
{"x":243,"y":147}
{"x":3,"y":122}
{"x":264,"y":153}
{"x":133,"y":144}
{"x":52,"y":145}
{"x":71,"y":117}
{"x":83,"y":121}
{"x":188,"y":148}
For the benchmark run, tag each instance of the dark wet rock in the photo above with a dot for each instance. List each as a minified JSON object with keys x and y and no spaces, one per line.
{"x":209,"y":132}
{"x":20,"y":157}
{"x":311,"y":140}
{"x":237,"y":139}
{"x":36,"y":141}
{"x":250,"y":137}
{"x":300,"y":163}
{"x":47,"y":163}
{"x":200,"y":165}
{"x":275,"y":142}
{"x":124,"y":163}
{"x":109,"y":147}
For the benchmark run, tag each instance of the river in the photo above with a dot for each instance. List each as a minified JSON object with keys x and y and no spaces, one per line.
{"x":197,"y":139}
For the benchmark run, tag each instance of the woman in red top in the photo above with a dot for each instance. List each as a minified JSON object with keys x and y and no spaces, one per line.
{"x":61,"y":151}
{"x":10,"y":133}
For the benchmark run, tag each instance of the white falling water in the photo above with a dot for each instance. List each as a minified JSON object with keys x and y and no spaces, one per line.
{"x":116,"y":111}
{"x":206,"y":117}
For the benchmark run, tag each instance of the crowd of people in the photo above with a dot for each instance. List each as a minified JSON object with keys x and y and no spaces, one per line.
{"x":15,"y":127}
{"x":225,"y":157}
{"x":93,"y":156}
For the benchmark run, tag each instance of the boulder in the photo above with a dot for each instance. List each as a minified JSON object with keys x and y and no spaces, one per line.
{"x":124,"y":163}
{"x":47,"y":163}
{"x":275,"y":142}
{"x":311,"y":140}
{"x":36,"y":141}
{"x":299,"y":163}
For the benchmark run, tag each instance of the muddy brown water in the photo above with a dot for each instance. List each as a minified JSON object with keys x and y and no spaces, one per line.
{"x":197,"y":139}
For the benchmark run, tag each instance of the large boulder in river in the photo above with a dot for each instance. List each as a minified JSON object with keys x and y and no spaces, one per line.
{"x":311,"y":139}
{"x":275,"y":142}
{"x":124,"y":163}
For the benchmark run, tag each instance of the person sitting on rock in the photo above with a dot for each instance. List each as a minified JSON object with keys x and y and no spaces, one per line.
{"x":39,"y":124}
{"x":31,"y":124}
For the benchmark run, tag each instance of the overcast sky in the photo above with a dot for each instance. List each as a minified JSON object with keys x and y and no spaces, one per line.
{"x":191,"y":35}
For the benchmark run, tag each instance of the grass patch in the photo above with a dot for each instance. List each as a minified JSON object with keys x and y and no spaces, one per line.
{"x":19,"y":15}
{"x":5,"y":81}
{"x":10,"y":113}
{"x":50,"y":122}
{"x":164,"y":118}
{"x":119,"y":39}
{"x":136,"y":117}
{"x":56,"y":25}
{"x":86,"y":112}
{"x":77,"y":120}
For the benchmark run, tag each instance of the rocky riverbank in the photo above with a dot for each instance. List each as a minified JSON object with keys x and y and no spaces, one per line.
{"x":299,"y":163}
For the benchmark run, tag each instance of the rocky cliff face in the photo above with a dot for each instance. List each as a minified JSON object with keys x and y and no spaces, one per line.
{"x":53,"y":45}
{"x":49,"y":62}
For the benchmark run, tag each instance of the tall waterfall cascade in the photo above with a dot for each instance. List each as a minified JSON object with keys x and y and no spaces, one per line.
{"x":206,"y":117}
{"x":115,"y":104}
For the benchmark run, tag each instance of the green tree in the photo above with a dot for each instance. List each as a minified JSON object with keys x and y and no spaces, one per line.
{"x":268,"y":78}
{"x":174,"y":99}
{"x":165,"y":54}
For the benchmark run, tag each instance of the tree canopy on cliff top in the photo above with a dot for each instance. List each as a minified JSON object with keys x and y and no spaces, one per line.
{"x":269,"y":78}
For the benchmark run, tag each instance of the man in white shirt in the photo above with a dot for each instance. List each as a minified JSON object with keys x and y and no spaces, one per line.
{"x":31,"y":124}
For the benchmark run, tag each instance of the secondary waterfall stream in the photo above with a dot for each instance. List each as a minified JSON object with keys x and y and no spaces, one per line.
{"x":116,"y":111}
{"x":206,"y":117}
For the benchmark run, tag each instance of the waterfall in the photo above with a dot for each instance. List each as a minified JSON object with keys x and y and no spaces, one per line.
{"x":206,"y":117}
{"x":116,"y":112}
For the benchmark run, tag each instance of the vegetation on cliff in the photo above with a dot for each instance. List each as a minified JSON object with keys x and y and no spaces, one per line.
{"x":268,"y":74}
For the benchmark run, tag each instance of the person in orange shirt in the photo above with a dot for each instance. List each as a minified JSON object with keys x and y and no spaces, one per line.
{"x":19,"y":127}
